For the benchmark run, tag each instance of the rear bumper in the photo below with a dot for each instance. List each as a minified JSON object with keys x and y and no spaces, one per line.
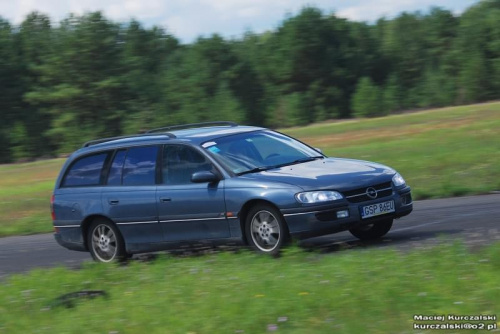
{"x":66,"y":239}
{"x":307,"y":222}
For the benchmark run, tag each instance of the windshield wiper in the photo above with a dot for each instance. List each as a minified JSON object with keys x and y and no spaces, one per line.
{"x":294,"y":162}
{"x":254,"y":170}
{"x":299,"y":161}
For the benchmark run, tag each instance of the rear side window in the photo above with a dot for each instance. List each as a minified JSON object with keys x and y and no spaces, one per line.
{"x":140,"y":166}
{"x":85,"y":171}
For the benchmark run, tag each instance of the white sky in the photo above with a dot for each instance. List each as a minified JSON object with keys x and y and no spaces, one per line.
{"x":188,"y":19}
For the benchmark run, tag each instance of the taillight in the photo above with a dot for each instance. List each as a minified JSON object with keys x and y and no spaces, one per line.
{"x":52,"y":208}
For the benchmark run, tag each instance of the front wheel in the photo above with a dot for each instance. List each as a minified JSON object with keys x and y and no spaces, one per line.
{"x":266,"y":229}
{"x":105,"y":242}
{"x":372,"y":231}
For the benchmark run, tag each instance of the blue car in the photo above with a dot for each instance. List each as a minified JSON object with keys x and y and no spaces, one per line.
{"x":220,"y":182}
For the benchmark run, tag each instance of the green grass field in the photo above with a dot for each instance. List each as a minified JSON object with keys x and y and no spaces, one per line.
{"x":441,"y":153}
{"x":25,"y":191}
{"x":359,"y":291}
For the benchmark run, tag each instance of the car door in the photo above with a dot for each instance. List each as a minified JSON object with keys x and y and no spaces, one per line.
{"x":187,"y":210}
{"x":129,"y":197}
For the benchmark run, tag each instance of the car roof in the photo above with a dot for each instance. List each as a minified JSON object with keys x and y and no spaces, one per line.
{"x":195,"y":136}
{"x":200,"y":135}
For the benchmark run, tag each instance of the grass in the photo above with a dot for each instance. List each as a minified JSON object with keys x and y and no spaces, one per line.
{"x":441,"y":153}
{"x":361,"y":291}
{"x":25,"y":191}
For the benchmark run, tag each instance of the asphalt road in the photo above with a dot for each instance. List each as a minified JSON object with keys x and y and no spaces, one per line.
{"x":475,"y":220}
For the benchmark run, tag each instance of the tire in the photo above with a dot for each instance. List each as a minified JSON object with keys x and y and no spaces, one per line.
{"x":372,"y":231}
{"x":105,"y":242}
{"x":265,"y":229}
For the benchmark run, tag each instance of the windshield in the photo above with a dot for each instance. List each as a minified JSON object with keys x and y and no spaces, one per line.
{"x":257,"y":151}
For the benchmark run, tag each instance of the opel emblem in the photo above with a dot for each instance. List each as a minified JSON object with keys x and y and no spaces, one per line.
{"x":371,"y":192}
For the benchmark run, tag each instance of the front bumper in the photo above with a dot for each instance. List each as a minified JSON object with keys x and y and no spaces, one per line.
{"x":310,"y":221}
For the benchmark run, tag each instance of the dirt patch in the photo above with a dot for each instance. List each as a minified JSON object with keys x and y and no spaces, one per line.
{"x":342,"y":139}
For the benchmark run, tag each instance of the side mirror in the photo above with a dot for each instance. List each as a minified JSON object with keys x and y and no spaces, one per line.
{"x":319,"y":150}
{"x":204,"y":176}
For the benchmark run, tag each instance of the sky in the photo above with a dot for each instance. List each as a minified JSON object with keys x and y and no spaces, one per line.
{"x":188,"y":19}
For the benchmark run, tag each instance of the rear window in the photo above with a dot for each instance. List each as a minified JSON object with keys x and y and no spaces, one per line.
{"x":85,"y":171}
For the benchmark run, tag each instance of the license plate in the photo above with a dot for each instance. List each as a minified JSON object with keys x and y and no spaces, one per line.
{"x":377,"y":209}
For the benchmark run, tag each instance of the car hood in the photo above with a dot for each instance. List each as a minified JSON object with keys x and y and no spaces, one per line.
{"x":328,"y":173}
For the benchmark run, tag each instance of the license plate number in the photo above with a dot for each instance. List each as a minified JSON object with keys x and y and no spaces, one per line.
{"x":377,"y":209}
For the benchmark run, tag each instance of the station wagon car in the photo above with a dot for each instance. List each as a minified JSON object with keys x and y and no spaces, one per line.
{"x":220,"y":182}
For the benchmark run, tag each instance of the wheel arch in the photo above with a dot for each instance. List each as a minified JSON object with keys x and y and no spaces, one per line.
{"x":86,"y":224}
{"x":242,"y":215}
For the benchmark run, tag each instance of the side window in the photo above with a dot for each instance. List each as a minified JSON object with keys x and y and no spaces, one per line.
{"x":85,"y":171}
{"x":115,"y":172}
{"x":180,"y":162}
{"x":140,"y":166}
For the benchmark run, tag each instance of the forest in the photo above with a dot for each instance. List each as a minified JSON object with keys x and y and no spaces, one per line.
{"x":63,"y":83}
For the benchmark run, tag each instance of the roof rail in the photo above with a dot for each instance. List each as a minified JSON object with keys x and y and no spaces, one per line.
{"x":192,"y":125}
{"x":104,"y":140}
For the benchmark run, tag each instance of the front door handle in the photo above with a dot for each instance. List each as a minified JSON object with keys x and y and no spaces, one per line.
{"x":165,"y":199}
{"x":113,"y":201}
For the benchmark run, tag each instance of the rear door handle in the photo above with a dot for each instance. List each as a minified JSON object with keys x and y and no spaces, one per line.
{"x":165,"y":199}
{"x":113,"y":201}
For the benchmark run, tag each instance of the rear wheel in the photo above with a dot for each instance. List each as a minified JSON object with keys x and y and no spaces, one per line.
{"x":372,"y":231}
{"x":266,"y":229}
{"x":105,"y":242}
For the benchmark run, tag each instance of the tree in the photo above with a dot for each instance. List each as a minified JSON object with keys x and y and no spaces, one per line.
{"x":391,"y":95}
{"x":479,"y":53}
{"x":225,"y":106}
{"x":366,"y":99}
{"x":206,"y":73}
{"x":406,"y":48}
{"x":89,"y":77}
{"x":474,"y":79}
{"x":82,"y":85}
{"x":143,"y":57}
{"x":10,"y":87}
{"x":35,"y":45}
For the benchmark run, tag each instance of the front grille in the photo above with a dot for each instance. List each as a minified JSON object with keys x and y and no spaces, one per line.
{"x":359,"y":195}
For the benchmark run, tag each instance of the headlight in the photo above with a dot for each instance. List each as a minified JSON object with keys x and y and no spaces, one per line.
{"x":398,"y":180}
{"x":318,"y":196}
